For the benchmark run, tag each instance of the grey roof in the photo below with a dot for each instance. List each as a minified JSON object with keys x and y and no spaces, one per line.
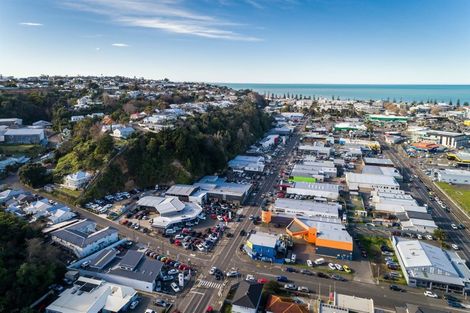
{"x":414,"y":308}
{"x":379,"y":161}
{"x":181,"y":190}
{"x":263,"y":239}
{"x":74,"y":233}
{"x":24,"y":131}
{"x":131,"y":259}
{"x":248,"y":294}
{"x":103,"y":258}
{"x":147,"y":270}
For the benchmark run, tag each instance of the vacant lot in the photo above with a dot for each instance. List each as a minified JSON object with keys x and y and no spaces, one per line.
{"x":460,"y":194}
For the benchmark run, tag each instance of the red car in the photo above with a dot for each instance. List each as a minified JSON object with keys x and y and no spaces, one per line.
{"x":214,"y":216}
{"x":262,"y":281}
{"x":177,"y":242}
{"x":209,"y":309}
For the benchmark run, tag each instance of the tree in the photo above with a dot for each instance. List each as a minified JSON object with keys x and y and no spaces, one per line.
{"x":440,"y":235}
{"x":34,"y":175}
{"x":272,"y":287}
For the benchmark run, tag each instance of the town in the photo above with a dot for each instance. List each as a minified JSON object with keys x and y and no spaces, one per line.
{"x":159,"y":196}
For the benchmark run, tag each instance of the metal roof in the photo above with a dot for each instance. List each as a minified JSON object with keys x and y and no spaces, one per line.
{"x":131,"y":259}
{"x":181,"y":190}
{"x":263,"y":239}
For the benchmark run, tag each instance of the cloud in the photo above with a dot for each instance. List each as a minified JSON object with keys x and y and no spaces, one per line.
{"x":167,"y":15}
{"x":120,"y":45}
{"x":30,"y":24}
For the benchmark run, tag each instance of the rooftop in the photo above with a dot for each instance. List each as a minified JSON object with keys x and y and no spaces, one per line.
{"x":181,"y":190}
{"x":263,"y":239}
{"x":371,"y":179}
{"x":317,"y":186}
{"x":248,"y":294}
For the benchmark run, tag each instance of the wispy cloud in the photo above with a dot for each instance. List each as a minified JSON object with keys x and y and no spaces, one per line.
{"x":166,"y":15}
{"x":30,"y":24}
{"x":120,"y":45}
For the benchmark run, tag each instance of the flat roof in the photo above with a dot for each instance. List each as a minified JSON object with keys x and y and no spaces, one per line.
{"x":316,"y":186}
{"x":328,"y":228}
{"x":309,"y":206}
{"x":381,"y":170}
{"x":456,"y":172}
{"x":181,"y":190}
{"x":371,"y":179}
{"x":444,"y":133}
{"x":263,"y":239}
{"x":24,"y":131}
{"x":131,"y":259}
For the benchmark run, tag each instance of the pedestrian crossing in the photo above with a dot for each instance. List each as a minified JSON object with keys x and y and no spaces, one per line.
{"x":208,"y":284}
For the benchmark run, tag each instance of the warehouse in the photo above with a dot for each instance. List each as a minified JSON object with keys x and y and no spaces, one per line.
{"x":428,"y":266}
{"x":304,"y":208}
{"x":247,"y":163}
{"x":24,"y":136}
{"x":312,"y":169}
{"x":217,"y":188}
{"x":370,"y":181}
{"x":392,"y":203}
{"x":378,"y":162}
{"x":316,"y":149}
{"x":417,"y":222}
{"x":454,"y":176}
{"x":327,"y":234}
{"x":326,"y":191}
{"x":382,"y":171}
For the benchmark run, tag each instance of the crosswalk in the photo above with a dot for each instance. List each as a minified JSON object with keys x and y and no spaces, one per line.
{"x":208,"y":284}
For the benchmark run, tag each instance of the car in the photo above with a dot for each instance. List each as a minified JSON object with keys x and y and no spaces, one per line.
{"x":213,"y":270}
{"x":338,"y":277}
{"x":150,"y":311}
{"x":420,"y":237}
{"x":370,"y":224}
{"x":282,"y":279}
{"x":262,"y":280}
{"x":451,"y":298}
{"x":454,"y":246}
{"x":319,"y":261}
{"x":309,"y":263}
{"x":290,"y":287}
{"x":290,"y":270}
{"x":242,"y":232}
{"x":306,"y":272}
{"x":162,"y":303}
{"x":134,"y":304}
{"x":173,"y":271}
{"x":167,"y":277}
{"x":322,"y":275}
{"x":332,"y":266}
{"x":232,"y":273}
{"x":454,"y":304}
{"x":347,"y":269}
{"x":303,"y":289}
{"x":209,"y":309}
{"x":429,"y":237}
{"x":430,"y":294}
{"x":396,"y":288}
{"x":175,"y":287}
{"x":461,"y":226}
{"x":250,"y":277}
{"x":339,"y":267}
{"x":453,"y":226}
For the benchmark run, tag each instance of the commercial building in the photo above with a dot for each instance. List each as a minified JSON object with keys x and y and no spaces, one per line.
{"x":328,"y":235}
{"x":83,"y":239}
{"x":393,"y":202}
{"x":319,"y":190}
{"x":89,"y":295}
{"x":304,"y":208}
{"x":382,"y":171}
{"x":340,"y":303}
{"x":417,"y":222}
{"x":264,"y":247}
{"x":11,"y":122}
{"x":378,"y":162}
{"x":23,"y":136}
{"x":370,"y":181}
{"x":345,"y":126}
{"x":133,"y":269}
{"x":247,"y":163}
{"x":171,"y":210}
{"x":454,"y":176}
{"x":247,"y":298}
{"x":217,"y":188}
{"x":387,"y":118}
{"x":77,"y":180}
{"x":316,"y":149}
{"x":187,"y":193}
{"x":428,"y":266}
{"x":448,"y":139}
{"x":312,"y":169}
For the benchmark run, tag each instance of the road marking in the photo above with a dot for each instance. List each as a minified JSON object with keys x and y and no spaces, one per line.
{"x":208,"y":284}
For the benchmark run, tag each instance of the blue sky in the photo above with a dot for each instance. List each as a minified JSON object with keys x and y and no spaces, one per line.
{"x":271,"y":41}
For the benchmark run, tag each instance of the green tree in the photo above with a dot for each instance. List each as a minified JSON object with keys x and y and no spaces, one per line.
{"x":34,"y":175}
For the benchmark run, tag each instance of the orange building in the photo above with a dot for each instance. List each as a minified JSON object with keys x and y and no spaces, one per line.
{"x":328,"y":235}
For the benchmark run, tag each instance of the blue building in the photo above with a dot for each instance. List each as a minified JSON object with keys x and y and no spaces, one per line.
{"x":264,"y":247}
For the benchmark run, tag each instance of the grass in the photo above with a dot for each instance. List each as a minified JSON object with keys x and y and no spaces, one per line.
{"x":357,"y":202}
{"x":66,"y":195}
{"x":27,"y":150}
{"x":460,"y":194}
{"x":372,"y":245}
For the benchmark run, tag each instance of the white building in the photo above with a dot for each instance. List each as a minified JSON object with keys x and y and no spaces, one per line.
{"x":89,"y":295}
{"x":304,"y":208}
{"x":448,"y":139}
{"x":320,"y":190}
{"x":123,"y":132}
{"x":382,"y":171}
{"x":77,"y":180}
{"x":417,"y":222}
{"x":83,"y":239}
{"x":247,"y":163}
{"x":454,"y":176}
{"x":370,"y":181}
{"x":428,"y":266}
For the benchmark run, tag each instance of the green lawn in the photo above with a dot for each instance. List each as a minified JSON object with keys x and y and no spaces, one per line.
{"x":372,"y":245}
{"x":460,"y":194}
{"x":28,"y":150}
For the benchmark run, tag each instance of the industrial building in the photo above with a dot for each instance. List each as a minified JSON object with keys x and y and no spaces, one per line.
{"x":454,"y":176}
{"x":187,"y":193}
{"x":382,"y":171}
{"x":368,"y":182}
{"x":417,"y":222}
{"x":312,"y":169}
{"x":448,"y":139}
{"x":387,"y":118}
{"x":292,"y":208}
{"x":327,"y":234}
{"x":88,"y":295}
{"x":265,"y":247}
{"x":11,"y":122}
{"x":217,"y":188}
{"x":23,"y":136}
{"x":428,"y":266}
{"x":318,"y":190}
{"x":247,"y":163}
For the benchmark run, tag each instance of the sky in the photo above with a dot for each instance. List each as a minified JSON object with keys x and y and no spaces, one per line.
{"x":240,"y":41}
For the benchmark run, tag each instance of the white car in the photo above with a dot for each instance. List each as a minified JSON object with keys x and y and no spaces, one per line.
{"x":454,"y":226}
{"x":134,"y":304}
{"x":250,"y":277}
{"x":175,"y":287}
{"x":303,"y":289}
{"x":309,"y":263}
{"x":429,"y":237}
{"x":233,"y":274}
{"x":339,"y":267}
{"x":420,"y":237}
{"x":430,"y":294}
{"x":319,"y":261}
{"x":331,"y":266}
{"x":454,"y":246}
{"x":212,"y":270}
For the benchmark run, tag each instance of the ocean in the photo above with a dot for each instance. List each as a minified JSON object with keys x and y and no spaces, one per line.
{"x":409,"y":93}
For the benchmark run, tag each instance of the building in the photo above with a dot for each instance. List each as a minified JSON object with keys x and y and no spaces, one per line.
{"x":382,"y":171}
{"x":171,"y":210}
{"x":89,"y":295}
{"x":328,"y":235}
{"x":187,"y":193}
{"x":387,"y":118}
{"x":318,"y":190}
{"x":217,"y":188}
{"x":123,"y":132}
{"x":378,"y":162}
{"x":454,"y":176}
{"x":77,"y":180}
{"x":304,"y":208}
{"x":23,"y":136}
{"x":341,"y":303}
{"x":83,"y":239}
{"x":345,"y":126}
{"x":318,"y":149}
{"x":448,"y":139}
{"x":417,"y":222}
{"x":11,"y":122}
{"x":247,"y":297}
{"x":277,"y":304}
{"x":428,"y":266}
{"x":133,"y":269}
{"x":414,"y":308}
{"x":247,"y":163}
{"x":370,"y":181}
{"x":264,"y":247}
{"x":312,"y":169}
{"x":393,"y":203}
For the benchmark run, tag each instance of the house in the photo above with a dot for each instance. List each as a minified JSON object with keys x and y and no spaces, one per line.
{"x":11,"y":122}
{"x":77,"y":180}
{"x":123,"y":132}
{"x":277,"y":304}
{"x":89,"y":295}
{"x":42,"y":124}
{"x":83,"y":239}
{"x":247,"y":297}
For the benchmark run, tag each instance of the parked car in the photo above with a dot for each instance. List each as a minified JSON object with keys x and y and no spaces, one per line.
{"x":454,"y":226}
{"x":162,"y":303}
{"x":290,"y":287}
{"x":175,"y":287}
{"x":303,"y":289}
{"x":347,"y":269}
{"x":262,"y":280}
{"x":309,"y":263}
{"x":319,"y":261}
{"x":134,"y":304}
{"x":332,"y":266}
{"x":282,"y":279}
{"x":396,"y":288}
{"x":430,"y":294}
{"x":250,"y":277}
{"x":339,"y":267}
{"x":454,"y":246}
{"x":306,"y":272}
